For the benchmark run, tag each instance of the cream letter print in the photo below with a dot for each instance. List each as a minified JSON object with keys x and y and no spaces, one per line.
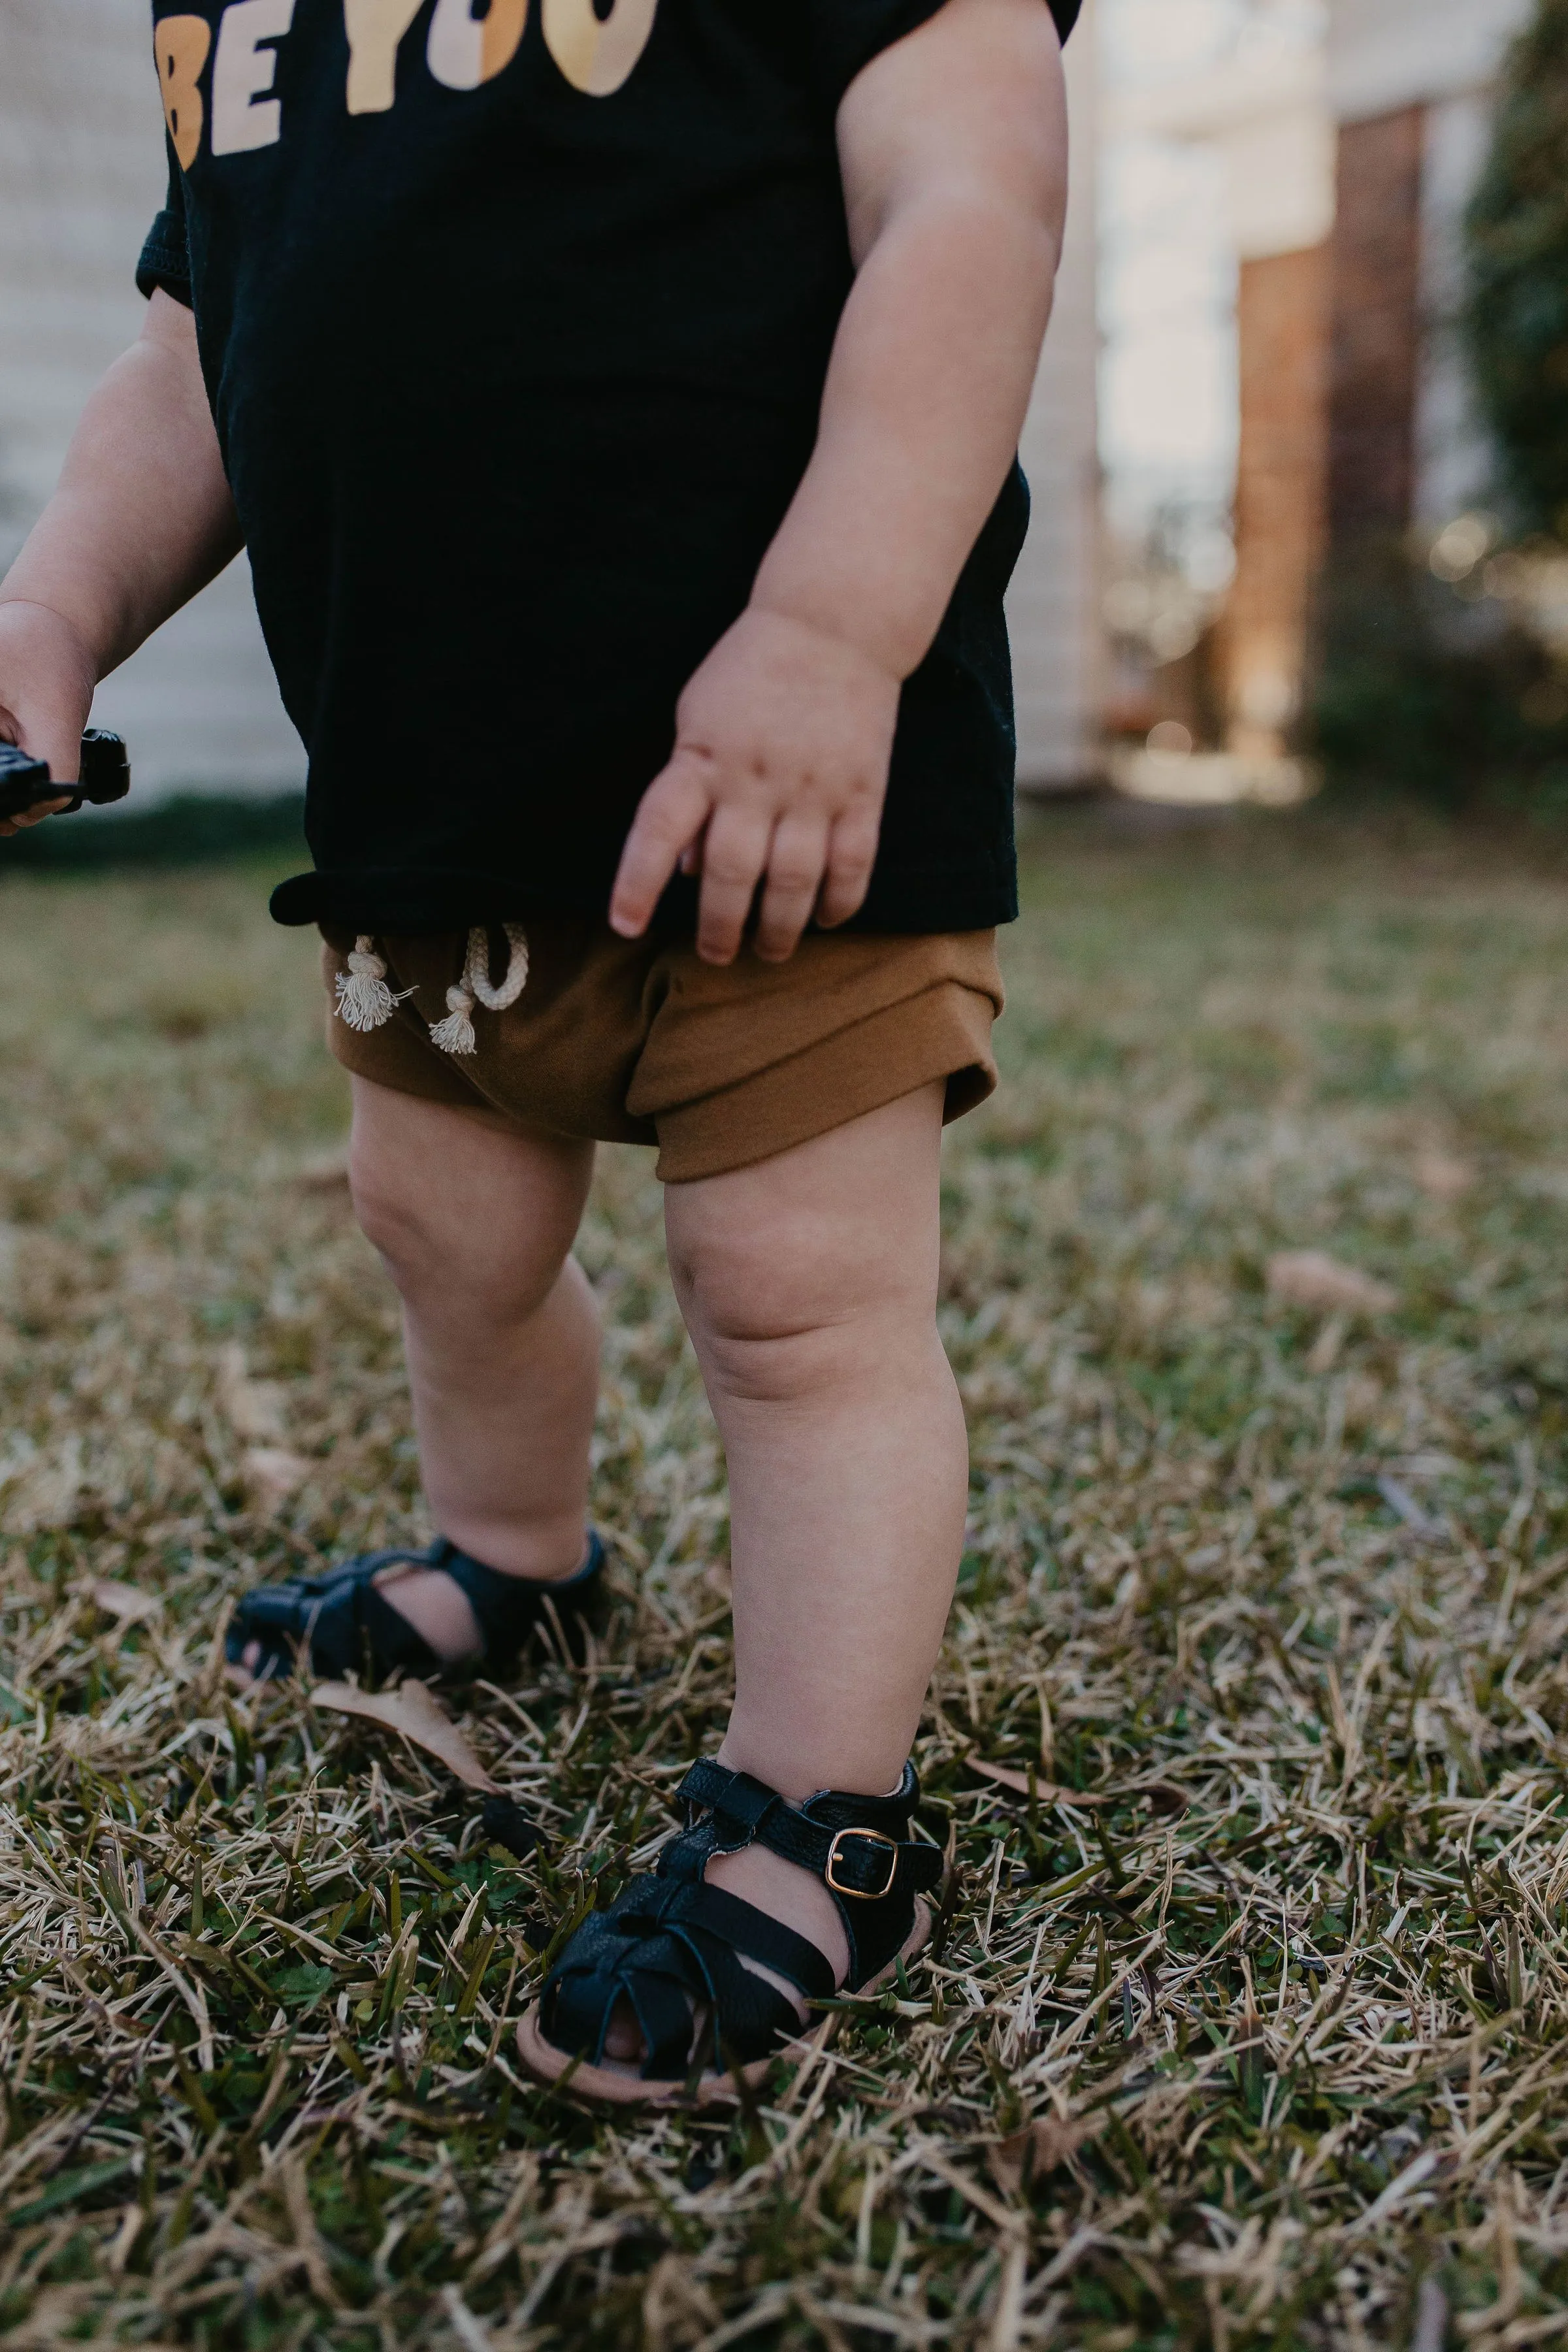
{"x":374,"y":30}
{"x":243,"y":115}
{"x":596,"y":53}
{"x":181,"y":46}
{"x":465,"y":50}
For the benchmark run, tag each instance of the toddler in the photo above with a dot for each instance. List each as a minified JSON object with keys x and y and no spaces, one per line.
{"x":618,"y":401}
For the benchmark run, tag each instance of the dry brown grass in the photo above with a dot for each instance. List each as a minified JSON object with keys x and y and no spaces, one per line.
{"x":1249,"y":2022}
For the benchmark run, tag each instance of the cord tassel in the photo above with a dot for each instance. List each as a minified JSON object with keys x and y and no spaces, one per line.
{"x":456,"y":1033}
{"x":365,"y":1000}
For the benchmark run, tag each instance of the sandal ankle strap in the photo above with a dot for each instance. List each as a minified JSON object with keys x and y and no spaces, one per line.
{"x":344,"y":1625}
{"x":856,"y":1845}
{"x":506,"y":1608}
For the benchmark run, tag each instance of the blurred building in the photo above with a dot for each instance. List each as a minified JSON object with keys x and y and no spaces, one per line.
{"x":1409,"y":87}
{"x":81,"y":171}
{"x":1348,"y":165}
{"x":1054,"y":611}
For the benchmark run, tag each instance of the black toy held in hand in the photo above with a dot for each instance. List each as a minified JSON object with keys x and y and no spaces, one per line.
{"x":25,"y":781}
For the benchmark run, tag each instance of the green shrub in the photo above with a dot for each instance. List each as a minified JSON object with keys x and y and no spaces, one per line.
{"x":1518,"y":309}
{"x":1437,"y":686}
{"x":1428,"y":690}
{"x":194,"y":829}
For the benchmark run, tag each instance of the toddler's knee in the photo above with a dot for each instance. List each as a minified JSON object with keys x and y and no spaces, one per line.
{"x":773,"y":1321}
{"x":452,"y":1257}
{"x":398,"y":1216}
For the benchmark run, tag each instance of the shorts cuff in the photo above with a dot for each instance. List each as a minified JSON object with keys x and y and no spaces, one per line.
{"x":944,"y":1033}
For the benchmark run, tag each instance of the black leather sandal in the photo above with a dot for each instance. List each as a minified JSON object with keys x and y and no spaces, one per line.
{"x":346,"y":1626}
{"x":669,"y":1946}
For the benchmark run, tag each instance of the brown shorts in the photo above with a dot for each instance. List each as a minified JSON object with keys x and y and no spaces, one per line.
{"x":637,"y":1041}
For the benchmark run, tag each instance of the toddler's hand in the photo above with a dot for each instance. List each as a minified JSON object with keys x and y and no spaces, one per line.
{"x":46,"y":697}
{"x":780,"y":770}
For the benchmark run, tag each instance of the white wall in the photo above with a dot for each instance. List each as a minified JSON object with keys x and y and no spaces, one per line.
{"x":1264,"y":113}
{"x":1386,"y":54}
{"x":81,"y":174}
{"x":1054,"y":609}
{"x":1453,"y":465}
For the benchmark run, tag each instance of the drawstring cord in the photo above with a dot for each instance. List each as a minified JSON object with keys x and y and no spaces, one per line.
{"x":365,"y":1002}
{"x":456,"y":1033}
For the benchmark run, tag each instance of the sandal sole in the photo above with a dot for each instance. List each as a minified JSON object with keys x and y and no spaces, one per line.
{"x":605,"y":2086}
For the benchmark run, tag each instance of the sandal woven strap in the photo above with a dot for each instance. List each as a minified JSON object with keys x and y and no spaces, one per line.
{"x":671,"y":1949}
{"x":347,"y":1626}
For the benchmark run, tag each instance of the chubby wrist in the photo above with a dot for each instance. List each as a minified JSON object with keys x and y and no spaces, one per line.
{"x":71,"y":640}
{"x":866,"y":635}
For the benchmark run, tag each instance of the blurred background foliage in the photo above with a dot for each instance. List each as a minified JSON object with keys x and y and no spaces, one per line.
{"x":1444,"y":663}
{"x":1518,"y":318}
{"x":1427,"y":689}
{"x":188,"y":829}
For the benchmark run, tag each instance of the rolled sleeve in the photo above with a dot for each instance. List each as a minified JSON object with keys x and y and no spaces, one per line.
{"x":166,"y":257}
{"x":848,"y":34}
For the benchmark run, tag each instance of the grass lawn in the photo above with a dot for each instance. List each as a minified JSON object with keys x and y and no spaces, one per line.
{"x":1248,"y":2021}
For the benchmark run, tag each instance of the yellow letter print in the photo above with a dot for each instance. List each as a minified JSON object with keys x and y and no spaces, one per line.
{"x":465,"y":50}
{"x":597,"y":54}
{"x":375,"y":28}
{"x":181,"y":46}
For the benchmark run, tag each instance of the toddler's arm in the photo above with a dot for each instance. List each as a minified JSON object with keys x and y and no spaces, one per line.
{"x":142,"y":519}
{"x":954,"y":150}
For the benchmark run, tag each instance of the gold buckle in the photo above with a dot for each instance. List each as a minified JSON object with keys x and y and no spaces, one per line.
{"x":862,"y":1893}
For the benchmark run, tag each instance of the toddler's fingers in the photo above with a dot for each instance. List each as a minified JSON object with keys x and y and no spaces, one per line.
{"x":795,"y":863}
{"x":672,"y":814}
{"x":851,"y":853}
{"x":734,"y":857}
{"x":35,"y":815}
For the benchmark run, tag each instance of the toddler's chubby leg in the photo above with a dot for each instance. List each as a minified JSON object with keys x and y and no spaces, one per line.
{"x":475,"y":1224}
{"x":810,"y":1285}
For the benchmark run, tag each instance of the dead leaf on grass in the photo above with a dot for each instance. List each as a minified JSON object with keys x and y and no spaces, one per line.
{"x":45,"y":1493}
{"x":323,"y":1172}
{"x":125,"y":1601}
{"x":415,"y":1711}
{"x":1443,"y":1178}
{"x":274,"y":1474}
{"x":253,"y":1409}
{"x":1037,"y":2150}
{"x":1323,"y":1285}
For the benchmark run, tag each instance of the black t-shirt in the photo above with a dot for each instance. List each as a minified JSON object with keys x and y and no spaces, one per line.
{"x":515,"y":324}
